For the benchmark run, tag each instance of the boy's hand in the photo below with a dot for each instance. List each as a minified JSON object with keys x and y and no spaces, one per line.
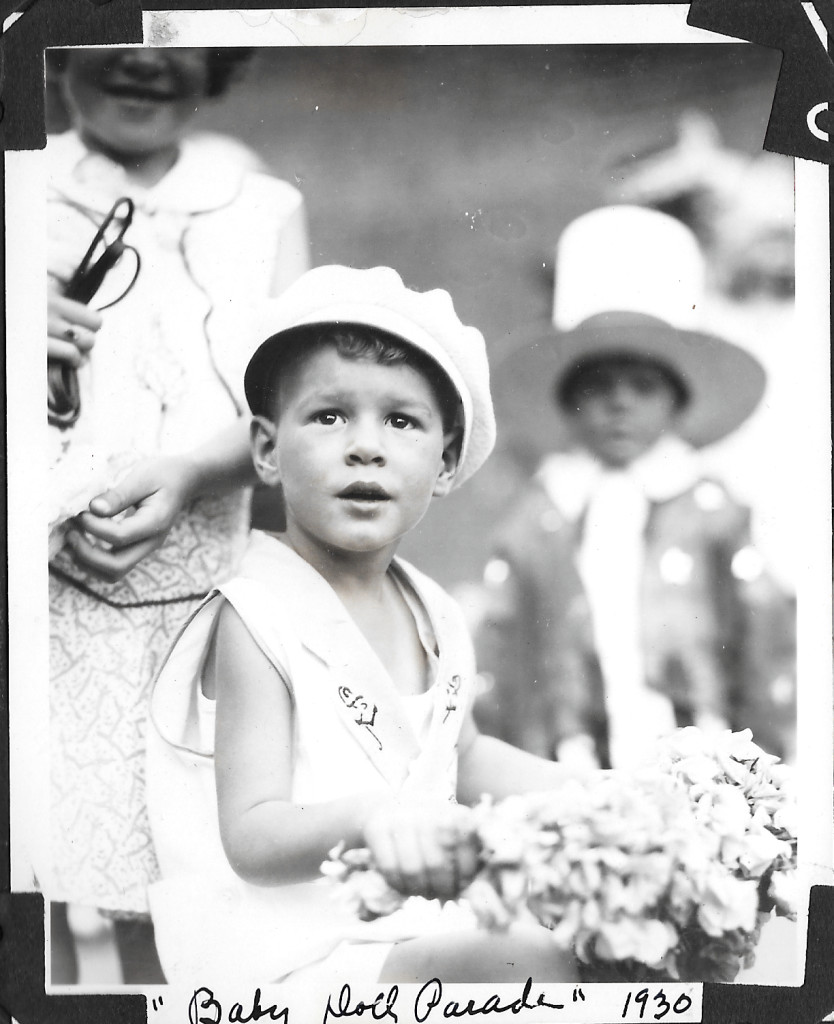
{"x":423,"y":847}
{"x":152,"y":495}
{"x":71,"y":327}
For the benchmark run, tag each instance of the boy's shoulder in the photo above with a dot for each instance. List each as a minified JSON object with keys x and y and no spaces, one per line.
{"x":711,"y":505}
{"x":535,"y":518}
{"x":280,"y":590}
{"x":710,"y":494}
{"x":268,"y":560}
{"x":433,"y":595}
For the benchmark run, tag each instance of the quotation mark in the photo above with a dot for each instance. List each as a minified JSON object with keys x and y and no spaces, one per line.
{"x":155,"y":1001}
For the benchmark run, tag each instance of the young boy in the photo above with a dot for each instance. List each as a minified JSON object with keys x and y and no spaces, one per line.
{"x":624,"y":597}
{"x":341,"y":676}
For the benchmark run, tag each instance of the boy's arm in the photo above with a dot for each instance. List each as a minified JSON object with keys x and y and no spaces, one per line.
{"x":487,"y":765}
{"x":271,"y":841}
{"x":268,"y":840}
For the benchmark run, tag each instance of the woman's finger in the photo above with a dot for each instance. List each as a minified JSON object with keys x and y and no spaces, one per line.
{"x":143,"y":482}
{"x":64,"y":352}
{"x":122,"y":533}
{"x":61,"y":269}
{"x":66,"y":343}
{"x":62,"y":329}
{"x":74,"y":314}
{"x":81,"y":338}
{"x":109,"y":565}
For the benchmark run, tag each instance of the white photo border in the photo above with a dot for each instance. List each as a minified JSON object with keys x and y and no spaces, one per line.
{"x":574,"y":25}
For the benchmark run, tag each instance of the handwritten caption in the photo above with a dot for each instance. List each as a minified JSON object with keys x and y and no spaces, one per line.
{"x":436,"y":1001}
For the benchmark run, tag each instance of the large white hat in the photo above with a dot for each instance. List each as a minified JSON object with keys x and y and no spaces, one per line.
{"x":378,"y":298}
{"x":629,"y":281}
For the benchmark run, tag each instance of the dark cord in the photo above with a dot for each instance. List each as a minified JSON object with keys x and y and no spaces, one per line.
{"x":65,"y":577}
{"x":135,"y":251}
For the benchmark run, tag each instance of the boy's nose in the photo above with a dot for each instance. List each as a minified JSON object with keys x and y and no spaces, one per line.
{"x":365,"y":447}
{"x":621,"y":395}
{"x":142,"y":62}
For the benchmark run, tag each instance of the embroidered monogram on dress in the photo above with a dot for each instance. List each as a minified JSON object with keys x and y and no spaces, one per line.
{"x":366,"y":713}
{"x":452,"y":689}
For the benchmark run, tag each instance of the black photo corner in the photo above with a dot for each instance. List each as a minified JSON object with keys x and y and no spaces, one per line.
{"x":807,"y":77}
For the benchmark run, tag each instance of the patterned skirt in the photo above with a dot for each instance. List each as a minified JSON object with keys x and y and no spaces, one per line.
{"x":106,"y":645}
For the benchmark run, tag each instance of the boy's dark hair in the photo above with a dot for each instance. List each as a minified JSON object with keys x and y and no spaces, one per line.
{"x":352,"y":341}
{"x":576,"y":380}
{"x":223,"y":65}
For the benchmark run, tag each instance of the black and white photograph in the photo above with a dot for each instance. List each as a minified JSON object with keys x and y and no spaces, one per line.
{"x":419,"y":585}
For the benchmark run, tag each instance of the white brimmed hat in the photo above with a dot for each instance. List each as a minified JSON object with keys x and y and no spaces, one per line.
{"x":378,"y":298}
{"x":629,"y":282}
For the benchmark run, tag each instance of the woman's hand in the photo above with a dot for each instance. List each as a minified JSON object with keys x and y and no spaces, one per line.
{"x":71,"y":327}
{"x":151,"y":495}
{"x":423,"y":847}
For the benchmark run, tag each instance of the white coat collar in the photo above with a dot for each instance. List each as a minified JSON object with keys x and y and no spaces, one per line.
{"x":208,"y":175}
{"x":665,"y":471}
{"x":319,"y":616}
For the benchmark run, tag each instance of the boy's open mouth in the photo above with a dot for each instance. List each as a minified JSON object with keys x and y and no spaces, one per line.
{"x":364,"y":492}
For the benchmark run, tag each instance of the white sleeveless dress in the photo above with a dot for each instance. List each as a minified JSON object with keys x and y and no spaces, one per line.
{"x":352,"y":733}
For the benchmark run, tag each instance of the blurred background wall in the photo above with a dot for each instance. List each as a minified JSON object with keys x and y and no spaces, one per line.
{"x":460,"y":167}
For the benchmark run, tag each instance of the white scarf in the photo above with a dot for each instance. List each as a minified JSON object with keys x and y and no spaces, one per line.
{"x":610,"y":561}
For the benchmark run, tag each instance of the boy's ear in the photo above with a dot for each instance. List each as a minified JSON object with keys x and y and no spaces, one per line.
{"x":263,"y":433}
{"x":451,"y":461}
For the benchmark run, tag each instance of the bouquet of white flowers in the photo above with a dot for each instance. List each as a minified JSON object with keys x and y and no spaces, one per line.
{"x":666,"y":872}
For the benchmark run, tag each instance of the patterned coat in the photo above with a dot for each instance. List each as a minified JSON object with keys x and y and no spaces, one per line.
{"x":717,"y":634}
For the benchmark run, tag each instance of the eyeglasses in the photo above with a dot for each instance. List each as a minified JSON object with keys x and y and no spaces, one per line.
{"x":105,"y":251}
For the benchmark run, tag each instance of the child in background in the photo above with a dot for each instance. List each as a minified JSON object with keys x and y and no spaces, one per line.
{"x":341,"y":676}
{"x":624,"y":597}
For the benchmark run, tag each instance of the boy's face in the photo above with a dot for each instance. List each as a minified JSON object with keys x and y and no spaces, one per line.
{"x":134,"y":101}
{"x":359,"y":450}
{"x":621,"y":408}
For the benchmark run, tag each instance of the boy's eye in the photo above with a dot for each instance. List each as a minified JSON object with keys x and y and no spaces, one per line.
{"x":401,"y":422}
{"x":327,"y":417}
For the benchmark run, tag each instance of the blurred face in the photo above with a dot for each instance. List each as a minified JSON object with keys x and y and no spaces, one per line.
{"x":134,"y":102}
{"x":621,"y":408}
{"x":359,"y":450}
